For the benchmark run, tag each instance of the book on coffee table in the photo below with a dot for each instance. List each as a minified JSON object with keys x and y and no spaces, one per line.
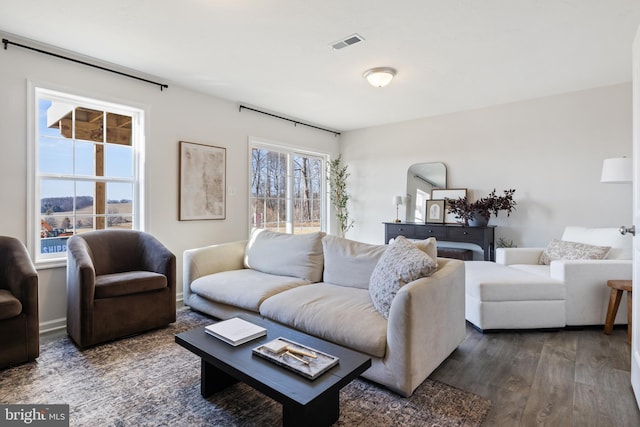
{"x":235,"y":331}
{"x":298,"y":358}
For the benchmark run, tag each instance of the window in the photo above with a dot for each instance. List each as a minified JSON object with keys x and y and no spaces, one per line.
{"x":287,"y":189}
{"x":86,"y":163}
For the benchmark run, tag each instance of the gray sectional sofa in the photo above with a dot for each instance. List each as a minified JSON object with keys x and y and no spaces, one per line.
{"x":319,"y":284}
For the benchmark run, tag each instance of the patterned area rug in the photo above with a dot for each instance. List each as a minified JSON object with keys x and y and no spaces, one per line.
{"x":149,"y":380}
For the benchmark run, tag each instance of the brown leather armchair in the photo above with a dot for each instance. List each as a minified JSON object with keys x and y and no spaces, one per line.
{"x":19,"y":328}
{"x":119,"y":283}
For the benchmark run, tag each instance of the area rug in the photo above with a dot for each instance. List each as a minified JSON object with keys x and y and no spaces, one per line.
{"x":149,"y":380}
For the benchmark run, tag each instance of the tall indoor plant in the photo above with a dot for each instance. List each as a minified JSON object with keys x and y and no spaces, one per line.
{"x":479,"y":212}
{"x":338,"y":175}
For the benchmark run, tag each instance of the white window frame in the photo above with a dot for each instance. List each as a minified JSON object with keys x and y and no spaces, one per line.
{"x":38,"y":90}
{"x":290,"y":151}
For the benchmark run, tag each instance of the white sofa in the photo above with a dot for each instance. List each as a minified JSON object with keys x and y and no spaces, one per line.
{"x":517,"y":292}
{"x":319,"y":284}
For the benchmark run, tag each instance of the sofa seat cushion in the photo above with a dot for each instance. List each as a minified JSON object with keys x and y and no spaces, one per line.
{"x":245,"y":288}
{"x":343,"y":315}
{"x":10,"y":306}
{"x":488,"y":281}
{"x":131,"y":282}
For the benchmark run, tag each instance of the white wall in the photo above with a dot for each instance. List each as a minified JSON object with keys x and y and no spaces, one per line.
{"x":549,"y":149}
{"x":173,"y":115}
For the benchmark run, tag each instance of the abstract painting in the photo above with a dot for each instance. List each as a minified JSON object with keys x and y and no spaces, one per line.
{"x":202,"y":181}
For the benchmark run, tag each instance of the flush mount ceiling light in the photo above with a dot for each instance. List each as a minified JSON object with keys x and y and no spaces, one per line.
{"x":380,"y":76}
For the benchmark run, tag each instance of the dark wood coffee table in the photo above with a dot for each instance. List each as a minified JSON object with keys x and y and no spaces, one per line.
{"x":304,"y":402}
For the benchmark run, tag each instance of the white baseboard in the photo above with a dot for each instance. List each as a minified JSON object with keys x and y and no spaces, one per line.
{"x":55,"y":325}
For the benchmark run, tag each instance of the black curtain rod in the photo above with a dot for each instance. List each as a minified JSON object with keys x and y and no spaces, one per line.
{"x":8,"y":42}
{"x":295,"y":122}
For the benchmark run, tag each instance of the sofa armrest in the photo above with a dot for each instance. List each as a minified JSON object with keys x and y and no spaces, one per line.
{"x":212,"y":259}
{"x":426,"y":323}
{"x":18,"y":274}
{"x":510,"y":256}
{"x":81,"y":274}
{"x":587,"y":294}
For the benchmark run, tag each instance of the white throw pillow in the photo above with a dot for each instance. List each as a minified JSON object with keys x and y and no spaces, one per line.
{"x":428,"y":246}
{"x":349,"y":263}
{"x":401,"y":263}
{"x":295,"y":255}
{"x":562,"y":249}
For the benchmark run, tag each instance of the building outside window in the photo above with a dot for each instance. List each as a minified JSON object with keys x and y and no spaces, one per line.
{"x":288,"y":190}
{"x":86,"y":156}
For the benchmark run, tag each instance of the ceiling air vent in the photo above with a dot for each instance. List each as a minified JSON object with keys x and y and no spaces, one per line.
{"x":347,"y":41}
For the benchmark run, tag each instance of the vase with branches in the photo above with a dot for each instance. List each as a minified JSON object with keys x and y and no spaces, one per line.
{"x":337,"y":177}
{"x":483,"y":208}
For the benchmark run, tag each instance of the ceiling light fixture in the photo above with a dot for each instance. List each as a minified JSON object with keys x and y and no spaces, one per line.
{"x":380,"y":76}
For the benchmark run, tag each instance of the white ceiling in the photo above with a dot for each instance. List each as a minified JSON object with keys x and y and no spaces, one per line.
{"x":451,"y":55}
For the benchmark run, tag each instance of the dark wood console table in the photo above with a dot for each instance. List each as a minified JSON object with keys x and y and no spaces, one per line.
{"x":481,"y":236}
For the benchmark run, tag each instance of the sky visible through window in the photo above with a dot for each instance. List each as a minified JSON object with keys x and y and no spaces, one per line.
{"x":56,"y":155}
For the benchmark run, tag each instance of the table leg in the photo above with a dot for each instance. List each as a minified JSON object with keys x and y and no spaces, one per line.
{"x":321,"y":412}
{"x":614,"y":303}
{"x":213,"y":379}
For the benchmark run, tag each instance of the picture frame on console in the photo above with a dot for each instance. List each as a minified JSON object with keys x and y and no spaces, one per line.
{"x":448,"y":193}
{"x":435,"y":212}
{"x":203,"y":170}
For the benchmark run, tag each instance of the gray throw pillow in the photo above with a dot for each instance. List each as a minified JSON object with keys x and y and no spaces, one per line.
{"x":562,"y":249}
{"x":400,"y":264}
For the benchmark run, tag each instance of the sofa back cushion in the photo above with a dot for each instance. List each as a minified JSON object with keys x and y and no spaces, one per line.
{"x":428,"y":246}
{"x":621,"y":246}
{"x":349,"y":263}
{"x":294,"y":255}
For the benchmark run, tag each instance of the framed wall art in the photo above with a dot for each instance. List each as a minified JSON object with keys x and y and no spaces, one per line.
{"x":448,"y":193}
{"x":435,"y":211}
{"x":203,"y":170}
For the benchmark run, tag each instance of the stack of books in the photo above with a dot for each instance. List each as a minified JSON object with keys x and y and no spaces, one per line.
{"x":235,"y":331}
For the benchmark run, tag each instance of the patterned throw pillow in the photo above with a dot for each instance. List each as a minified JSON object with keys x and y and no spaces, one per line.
{"x":400,"y":264}
{"x":563,"y":249}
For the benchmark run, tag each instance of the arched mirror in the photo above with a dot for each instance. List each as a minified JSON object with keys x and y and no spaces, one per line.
{"x":421,"y":179}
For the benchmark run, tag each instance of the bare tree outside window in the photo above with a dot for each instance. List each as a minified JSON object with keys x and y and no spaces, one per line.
{"x":286,"y":191}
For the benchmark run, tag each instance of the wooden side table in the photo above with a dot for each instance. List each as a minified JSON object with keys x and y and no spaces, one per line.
{"x":617,"y":287}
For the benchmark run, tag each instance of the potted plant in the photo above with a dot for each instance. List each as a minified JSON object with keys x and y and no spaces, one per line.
{"x":337,"y":177}
{"x":478,"y":213}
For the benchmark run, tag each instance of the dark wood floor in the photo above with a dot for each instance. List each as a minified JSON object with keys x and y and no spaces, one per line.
{"x":562,"y":378}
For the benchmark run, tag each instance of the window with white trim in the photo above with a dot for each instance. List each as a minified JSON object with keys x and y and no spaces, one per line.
{"x":288,"y":190}
{"x":86,"y":162}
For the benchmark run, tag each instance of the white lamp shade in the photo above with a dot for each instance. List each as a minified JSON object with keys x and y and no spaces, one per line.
{"x":397,"y":200}
{"x":616,"y":170}
{"x":379,"y":77}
